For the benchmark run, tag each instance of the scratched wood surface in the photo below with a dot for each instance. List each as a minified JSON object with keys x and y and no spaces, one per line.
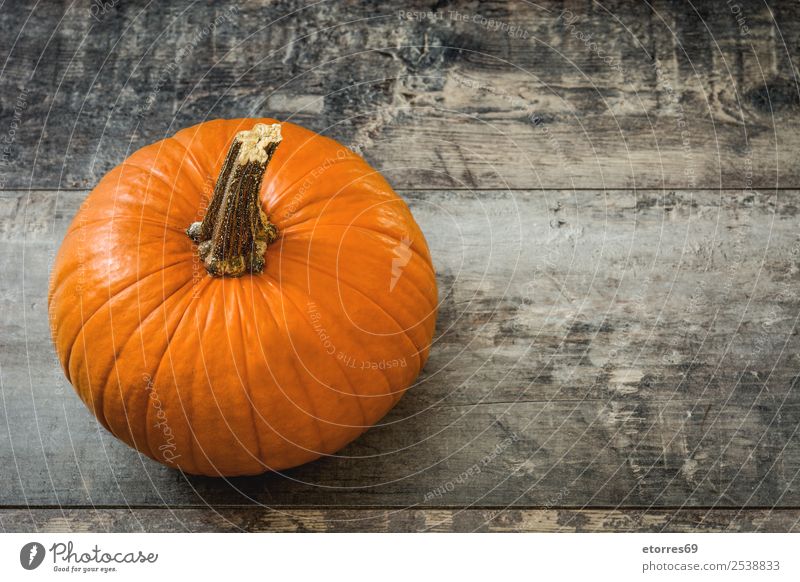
{"x":613,"y":220}
{"x":396,"y":520}
{"x":665,"y":97}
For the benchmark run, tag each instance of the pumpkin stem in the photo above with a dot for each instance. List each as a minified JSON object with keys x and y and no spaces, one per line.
{"x":233,"y":236}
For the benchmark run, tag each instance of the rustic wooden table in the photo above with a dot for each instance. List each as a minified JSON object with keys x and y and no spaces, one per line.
{"x":609,"y":190}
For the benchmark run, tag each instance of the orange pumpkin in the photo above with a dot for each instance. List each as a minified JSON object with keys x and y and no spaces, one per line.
{"x":291,"y":315}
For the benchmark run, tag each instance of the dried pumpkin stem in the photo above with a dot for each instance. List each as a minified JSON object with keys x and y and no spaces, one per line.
{"x":233,"y":236}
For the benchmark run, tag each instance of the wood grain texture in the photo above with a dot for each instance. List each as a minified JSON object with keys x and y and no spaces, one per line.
{"x":454,"y":95}
{"x":622,"y":349}
{"x":396,"y":520}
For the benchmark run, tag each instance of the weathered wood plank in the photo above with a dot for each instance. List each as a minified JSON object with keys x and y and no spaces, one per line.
{"x":489,"y":95}
{"x":595,"y":348}
{"x":262,"y":519}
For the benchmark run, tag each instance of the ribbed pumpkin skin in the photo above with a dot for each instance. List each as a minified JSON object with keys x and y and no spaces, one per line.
{"x":237,"y":376}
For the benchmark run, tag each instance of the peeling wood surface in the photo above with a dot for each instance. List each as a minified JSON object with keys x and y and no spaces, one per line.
{"x":616,"y":242}
{"x":396,"y":520}
{"x":433,"y":94}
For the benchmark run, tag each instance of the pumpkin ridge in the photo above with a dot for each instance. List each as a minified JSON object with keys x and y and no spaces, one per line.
{"x":325,"y":199}
{"x":125,"y":343}
{"x":150,"y":409}
{"x":105,"y":303}
{"x":166,"y":144}
{"x":314,"y":414}
{"x":198,"y":167}
{"x":217,"y":400}
{"x":191,"y":452}
{"x":173,"y":190}
{"x":417,"y":351}
{"x":403,"y":330}
{"x":356,"y":396}
{"x":99,"y":392}
{"x":136,"y":401}
{"x":248,"y":393}
{"x":424,"y":258}
{"x":277,"y":196}
{"x":112,"y":296}
{"x":305,"y":294}
{"x":373,"y":182}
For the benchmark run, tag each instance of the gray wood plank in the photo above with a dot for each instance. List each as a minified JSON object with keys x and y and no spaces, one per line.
{"x":490,"y":95}
{"x":594,"y":348}
{"x":397,"y":520}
